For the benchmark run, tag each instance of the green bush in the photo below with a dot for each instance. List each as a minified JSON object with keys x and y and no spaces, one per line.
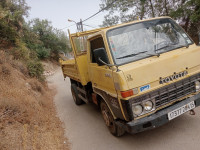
{"x":33,"y":55}
{"x":20,"y":51}
{"x":35,"y":69}
{"x":42,"y":53}
{"x":8,"y":33}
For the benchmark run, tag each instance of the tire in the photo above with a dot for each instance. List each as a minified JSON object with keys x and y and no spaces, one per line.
{"x":75,"y":93}
{"x":110,"y":122}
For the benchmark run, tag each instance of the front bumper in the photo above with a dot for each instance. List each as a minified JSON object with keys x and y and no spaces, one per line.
{"x":159,"y":118}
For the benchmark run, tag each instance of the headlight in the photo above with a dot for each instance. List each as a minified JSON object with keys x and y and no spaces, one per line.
{"x":148,"y":105}
{"x":137,"y":109}
{"x":197,"y":85}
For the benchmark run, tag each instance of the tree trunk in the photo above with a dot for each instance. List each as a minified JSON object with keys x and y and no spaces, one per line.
{"x":142,"y":10}
{"x":166,"y":9}
{"x":187,"y":24}
{"x":152,"y":9}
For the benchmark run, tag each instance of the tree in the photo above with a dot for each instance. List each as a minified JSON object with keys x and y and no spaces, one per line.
{"x":188,"y":15}
{"x":12,"y":13}
{"x":50,"y":41}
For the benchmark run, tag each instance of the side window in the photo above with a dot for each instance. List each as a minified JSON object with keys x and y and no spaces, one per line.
{"x":80,"y":44}
{"x":94,"y":44}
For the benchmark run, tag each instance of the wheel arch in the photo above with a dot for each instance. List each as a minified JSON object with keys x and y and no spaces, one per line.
{"x":101,"y":98}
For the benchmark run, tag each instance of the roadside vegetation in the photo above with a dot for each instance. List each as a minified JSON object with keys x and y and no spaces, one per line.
{"x":27,"y":112}
{"x":31,"y":41}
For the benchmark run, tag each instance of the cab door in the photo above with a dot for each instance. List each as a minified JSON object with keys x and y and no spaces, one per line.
{"x":101,"y":76}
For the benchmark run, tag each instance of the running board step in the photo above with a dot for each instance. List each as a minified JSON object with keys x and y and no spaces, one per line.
{"x":82,"y":98}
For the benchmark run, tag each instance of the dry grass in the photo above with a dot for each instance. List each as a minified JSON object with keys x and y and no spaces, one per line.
{"x":27,"y":114}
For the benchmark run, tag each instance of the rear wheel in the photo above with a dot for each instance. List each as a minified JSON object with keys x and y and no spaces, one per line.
{"x":115,"y":129}
{"x":75,"y":93}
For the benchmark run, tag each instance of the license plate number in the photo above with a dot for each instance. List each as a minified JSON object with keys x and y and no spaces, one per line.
{"x":179,"y":111}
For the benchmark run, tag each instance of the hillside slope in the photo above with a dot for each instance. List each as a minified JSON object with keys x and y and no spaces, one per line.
{"x":27,"y":114}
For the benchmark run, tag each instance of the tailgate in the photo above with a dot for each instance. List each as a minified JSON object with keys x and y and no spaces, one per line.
{"x":69,"y":69}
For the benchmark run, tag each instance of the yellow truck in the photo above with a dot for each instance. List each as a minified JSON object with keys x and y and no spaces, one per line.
{"x":141,"y":74}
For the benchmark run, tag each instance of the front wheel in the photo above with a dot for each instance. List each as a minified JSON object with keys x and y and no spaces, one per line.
{"x":110,"y":121}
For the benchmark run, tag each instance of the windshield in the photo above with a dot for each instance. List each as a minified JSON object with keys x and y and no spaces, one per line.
{"x":149,"y":38}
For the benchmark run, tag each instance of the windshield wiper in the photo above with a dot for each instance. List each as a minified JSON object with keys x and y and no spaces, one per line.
{"x":156,"y":54}
{"x":131,"y":55}
{"x":179,"y":46}
{"x":161,"y":48}
{"x":186,"y":45}
{"x":143,"y":52}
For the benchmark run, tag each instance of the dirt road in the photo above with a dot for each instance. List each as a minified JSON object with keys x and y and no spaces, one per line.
{"x":86,"y":130}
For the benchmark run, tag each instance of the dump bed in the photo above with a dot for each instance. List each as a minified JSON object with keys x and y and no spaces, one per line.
{"x":76,"y":69}
{"x":70,"y":69}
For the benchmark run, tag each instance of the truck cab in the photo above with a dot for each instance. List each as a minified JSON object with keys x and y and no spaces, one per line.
{"x":140,"y":74}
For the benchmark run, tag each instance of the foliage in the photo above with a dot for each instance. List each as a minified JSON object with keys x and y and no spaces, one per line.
{"x":185,"y":12}
{"x":37,"y":36}
{"x":42,"y":53}
{"x":109,"y":21}
{"x":35,"y":69}
{"x":51,"y":41}
{"x":31,"y":41}
{"x":20,"y":51}
{"x":12,"y":13}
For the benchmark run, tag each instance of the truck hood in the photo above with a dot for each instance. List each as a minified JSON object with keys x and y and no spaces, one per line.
{"x":146,"y":74}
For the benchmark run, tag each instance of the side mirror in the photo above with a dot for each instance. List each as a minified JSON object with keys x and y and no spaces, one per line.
{"x":101,"y":56}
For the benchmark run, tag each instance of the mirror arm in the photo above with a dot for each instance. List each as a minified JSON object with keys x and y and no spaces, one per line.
{"x":109,"y":65}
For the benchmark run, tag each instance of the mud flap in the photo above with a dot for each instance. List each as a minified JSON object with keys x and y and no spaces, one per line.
{"x":120,"y":128}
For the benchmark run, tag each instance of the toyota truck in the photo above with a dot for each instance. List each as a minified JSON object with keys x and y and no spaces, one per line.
{"x":141,"y":74}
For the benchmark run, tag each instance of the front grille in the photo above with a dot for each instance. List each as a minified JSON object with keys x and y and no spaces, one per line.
{"x":172,"y":92}
{"x":175,"y":91}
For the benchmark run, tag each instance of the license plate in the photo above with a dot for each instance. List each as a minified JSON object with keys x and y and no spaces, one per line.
{"x":179,"y":111}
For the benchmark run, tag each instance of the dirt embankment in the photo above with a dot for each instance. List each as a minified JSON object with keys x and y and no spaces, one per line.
{"x":27,"y":114}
